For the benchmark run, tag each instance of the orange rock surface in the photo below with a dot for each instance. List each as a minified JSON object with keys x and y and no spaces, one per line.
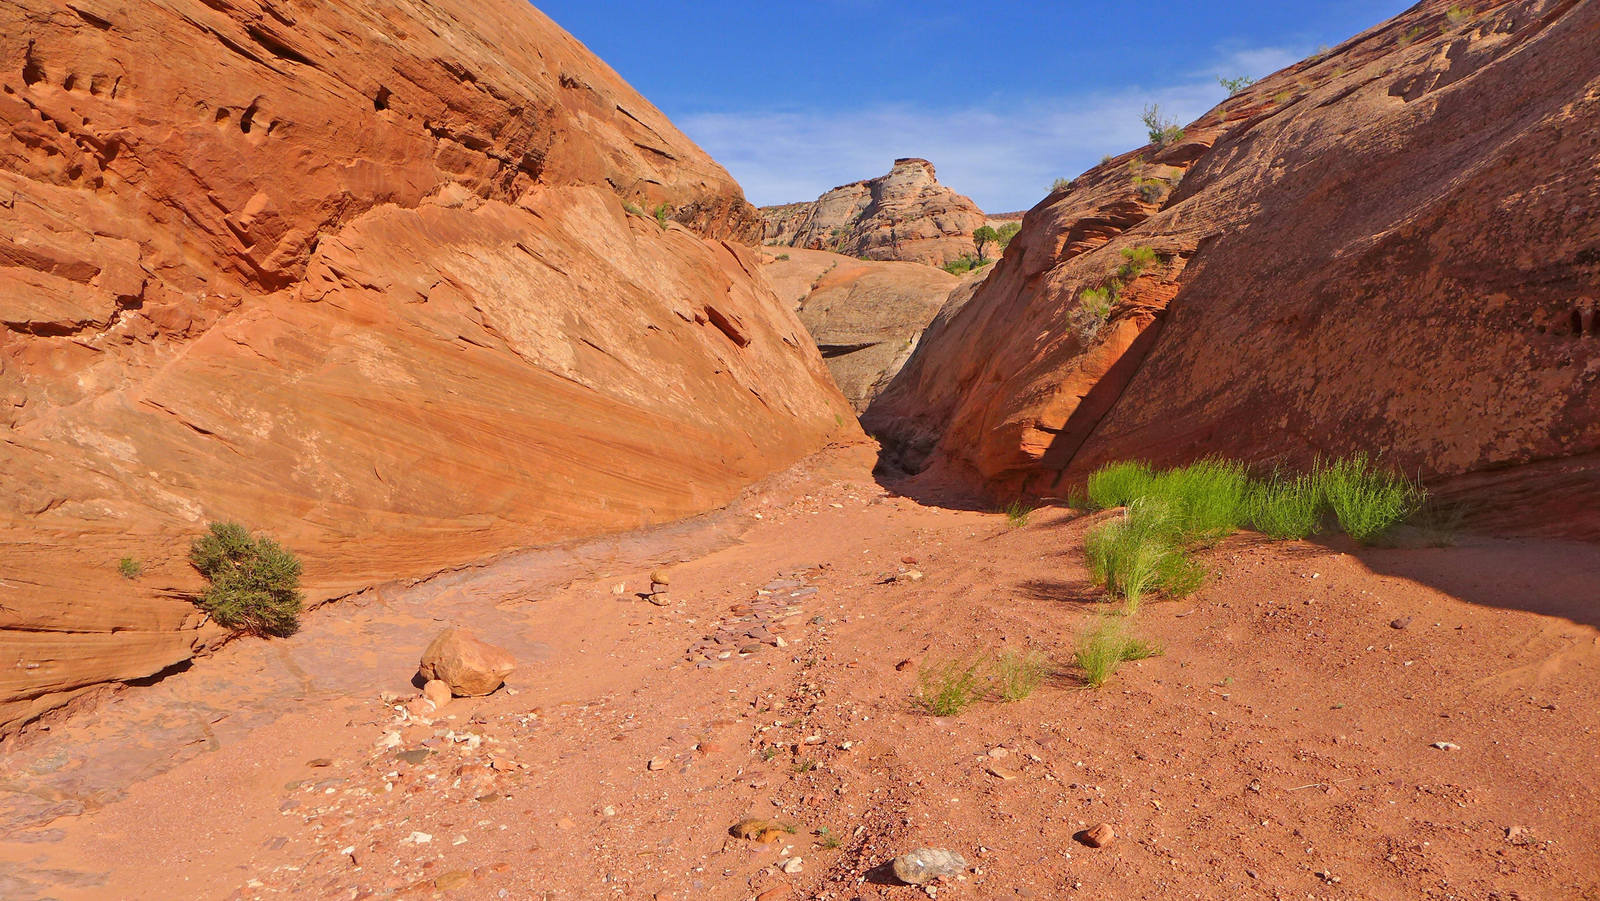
{"x":905,"y":215}
{"x":361,"y":276}
{"x":1390,"y":247}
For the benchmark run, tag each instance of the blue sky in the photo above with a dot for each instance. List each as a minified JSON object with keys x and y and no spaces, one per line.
{"x":798,"y":97}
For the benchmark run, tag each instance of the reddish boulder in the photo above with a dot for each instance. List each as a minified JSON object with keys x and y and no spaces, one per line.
{"x":469,"y":665}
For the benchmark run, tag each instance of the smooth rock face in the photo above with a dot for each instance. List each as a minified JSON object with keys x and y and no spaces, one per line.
{"x":905,"y":215}
{"x":1388,"y":248}
{"x":469,"y":665}
{"x":927,"y":864}
{"x":865,"y":316}
{"x":361,"y":277}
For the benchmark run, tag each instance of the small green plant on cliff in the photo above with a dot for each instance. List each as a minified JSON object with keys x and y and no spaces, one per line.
{"x":1163,"y":132}
{"x":1135,"y":261}
{"x":1061,"y":185}
{"x":1235,"y":85}
{"x":255,"y":583}
{"x":130,"y":567}
{"x":1094,"y":308}
{"x":631,"y":208}
{"x":663,"y":215}
{"x":1005,"y":233}
{"x":1458,"y":15}
{"x":782,"y":257}
{"x":1410,"y":36}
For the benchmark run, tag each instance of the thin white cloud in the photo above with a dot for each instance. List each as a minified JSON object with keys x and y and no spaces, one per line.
{"x":1003,"y":156}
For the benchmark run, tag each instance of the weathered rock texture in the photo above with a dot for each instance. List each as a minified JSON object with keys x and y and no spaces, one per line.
{"x":1391,"y":247}
{"x":905,"y":215}
{"x":358,"y":275}
{"x":864,"y":315}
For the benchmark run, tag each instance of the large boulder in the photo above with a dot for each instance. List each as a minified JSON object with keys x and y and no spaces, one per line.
{"x":365,"y":278}
{"x":469,"y":665}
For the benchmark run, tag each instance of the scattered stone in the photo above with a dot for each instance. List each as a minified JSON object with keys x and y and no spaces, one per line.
{"x":1001,"y":774}
{"x":927,"y":864}
{"x":774,"y":894}
{"x":1446,"y":746}
{"x":660,"y":599}
{"x":319,"y":762}
{"x":660,"y":577}
{"x":1400,"y":623}
{"x":791,"y":866}
{"x":468,"y":665}
{"x":1100,"y":835}
{"x":451,"y":880}
{"x":414,"y":756}
{"x":903,"y":665}
{"x":656,"y":763}
{"x":437,"y":692}
{"x":1518,"y":835}
{"x":755,"y":829}
{"x":419,"y":838}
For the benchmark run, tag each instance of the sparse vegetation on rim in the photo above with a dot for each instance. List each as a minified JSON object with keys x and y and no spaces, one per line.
{"x":255,"y":583}
{"x":1235,"y":85}
{"x":1163,"y":132}
{"x":663,"y":214}
{"x":1062,"y":185}
{"x":130,"y":567}
{"x":951,"y":686}
{"x":1017,"y":514}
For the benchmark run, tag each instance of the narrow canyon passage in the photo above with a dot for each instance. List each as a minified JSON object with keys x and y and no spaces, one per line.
{"x":1281,"y":745}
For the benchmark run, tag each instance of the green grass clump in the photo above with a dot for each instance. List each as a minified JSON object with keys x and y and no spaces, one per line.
{"x":1126,"y":555}
{"x":255,"y":583}
{"x":964,"y":264}
{"x":130,"y":567}
{"x":1138,"y":260}
{"x":1017,"y":514}
{"x":1367,"y":500}
{"x":950,"y":688}
{"x":663,"y":214}
{"x":1018,"y":673}
{"x":1107,"y":646}
{"x":1117,"y":484}
{"x":1206,"y":499}
{"x":1286,"y":508}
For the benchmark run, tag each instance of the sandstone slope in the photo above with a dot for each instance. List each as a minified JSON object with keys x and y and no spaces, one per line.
{"x":360,"y":275}
{"x":904,"y":215}
{"x":865,"y":315}
{"x":1389,"y":247}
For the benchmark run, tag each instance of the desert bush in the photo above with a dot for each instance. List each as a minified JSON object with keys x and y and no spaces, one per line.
{"x":1286,"y":507}
{"x":1105,"y":647}
{"x":1205,"y":500}
{"x":1127,"y":555}
{"x":782,"y":257}
{"x":964,"y":264}
{"x":1005,"y":233}
{"x":1148,"y":189}
{"x":1458,"y":15}
{"x":1235,"y":85}
{"x":1367,"y":500}
{"x":1136,"y":260}
{"x":983,"y":236}
{"x":255,"y":583}
{"x":1061,"y":185}
{"x":632,"y":208}
{"x":129,"y":567}
{"x":663,"y":214}
{"x":1094,"y":308}
{"x":1162,"y":131}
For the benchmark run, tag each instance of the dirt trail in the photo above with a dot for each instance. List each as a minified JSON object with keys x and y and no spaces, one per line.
{"x":1280,"y":748}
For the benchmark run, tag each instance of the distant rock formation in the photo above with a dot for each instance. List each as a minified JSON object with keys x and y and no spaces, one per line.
{"x":382,"y":281}
{"x":1391,"y":247}
{"x":905,"y":215}
{"x":865,"y":315}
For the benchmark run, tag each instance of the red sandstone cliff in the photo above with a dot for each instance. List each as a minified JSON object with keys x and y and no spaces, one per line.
{"x":1394,"y":246}
{"x":360,"y":275}
{"x":904,"y":215}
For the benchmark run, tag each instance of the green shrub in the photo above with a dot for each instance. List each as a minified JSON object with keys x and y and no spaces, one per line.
{"x":1117,"y":484}
{"x":1105,"y":647}
{"x":663,"y":215}
{"x":1286,"y":508}
{"x":1127,"y":555}
{"x":1005,"y":233}
{"x":1206,"y":499}
{"x":255,"y":583}
{"x":1137,"y":260}
{"x":782,"y":257}
{"x":1061,"y":185}
{"x":1162,"y":131}
{"x":964,"y":264}
{"x":632,"y":208}
{"x":1367,"y":500}
{"x":1458,"y":15}
{"x":1235,"y":85}
{"x":130,"y":567}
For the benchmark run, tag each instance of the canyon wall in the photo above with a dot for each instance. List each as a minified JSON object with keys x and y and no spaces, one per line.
{"x":369,"y":276}
{"x":1391,"y":247}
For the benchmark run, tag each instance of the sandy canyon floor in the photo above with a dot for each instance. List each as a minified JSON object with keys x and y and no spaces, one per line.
{"x":1281,"y":747}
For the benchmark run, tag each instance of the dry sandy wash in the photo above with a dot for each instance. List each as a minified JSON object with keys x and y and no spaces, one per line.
{"x":1281,"y":747}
